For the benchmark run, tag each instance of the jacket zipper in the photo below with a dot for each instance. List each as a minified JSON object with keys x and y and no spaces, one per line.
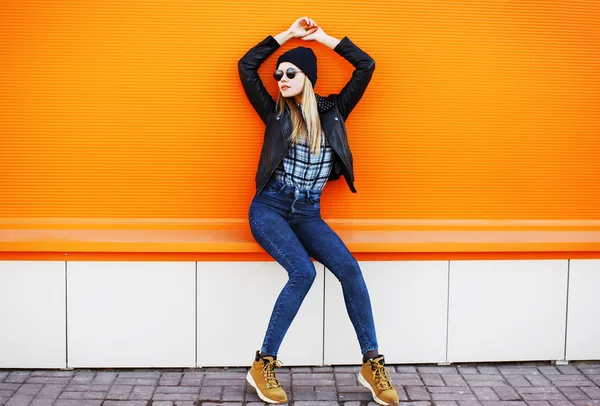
{"x":275,"y":167}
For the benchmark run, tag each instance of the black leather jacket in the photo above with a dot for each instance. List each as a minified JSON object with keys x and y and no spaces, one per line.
{"x":278,"y":129}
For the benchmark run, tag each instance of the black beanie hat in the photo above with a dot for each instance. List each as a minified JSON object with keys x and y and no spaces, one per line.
{"x":305,"y":59}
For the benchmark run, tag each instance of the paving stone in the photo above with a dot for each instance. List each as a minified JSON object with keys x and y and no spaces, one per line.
{"x":52,"y":373}
{"x":104,"y":378}
{"x":591,"y":402}
{"x":16,"y":377}
{"x":470,"y":378}
{"x":29,"y":389}
{"x":467,"y":370}
{"x":48,"y":379}
{"x":176,"y":396}
{"x":51,"y":391}
{"x":573,"y":383}
{"x":417,"y":393}
{"x":437,"y":370}
{"x":347,"y":370}
{"x":322,"y":370}
{"x":135,"y":381}
{"x":191,"y":381}
{"x":538,"y":403}
{"x":119,"y":392}
{"x":324,"y":393}
{"x":313,"y":382}
{"x":517,"y":380}
{"x":484,"y":394}
{"x":503,"y":403}
{"x":125,"y":403}
{"x":140,"y":375}
{"x":313,"y":403}
{"x":303,"y":393}
{"x":19,"y":400}
{"x":506,"y":393}
{"x":560,"y":403}
{"x":453,"y":380}
{"x":432,"y":380}
{"x":297,"y":370}
{"x":346,"y":379}
{"x":78,"y":402}
{"x":592,"y":392}
{"x":42,"y":402}
{"x":357,"y":396}
{"x":80,"y":388}
{"x":548,"y":370}
{"x":234,"y":393}
{"x":82,"y":395}
{"x":452,"y":396}
{"x":142,"y":393}
{"x":538,"y":380}
{"x":219,"y":404}
{"x":3,"y":374}
{"x":406,"y":369}
{"x":178,"y":389}
{"x":469,"y":403}
{"x":568,"y":369}
{"x":517,"y":370}
{"x":210,"y":393}
{"x":488,"y":370}
{"x":498,"y":383}
{"x":574,"y":393}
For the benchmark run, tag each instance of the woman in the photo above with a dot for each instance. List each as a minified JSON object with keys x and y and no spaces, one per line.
{"x":305,"y":145}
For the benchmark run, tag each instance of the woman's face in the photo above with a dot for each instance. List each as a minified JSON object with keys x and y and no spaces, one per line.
{"x":290,"y":87}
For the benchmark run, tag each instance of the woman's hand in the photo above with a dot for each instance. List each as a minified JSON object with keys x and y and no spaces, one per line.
{"x":302,"y":27}
{"x":317,"y":35}
{"x":307,"y":30}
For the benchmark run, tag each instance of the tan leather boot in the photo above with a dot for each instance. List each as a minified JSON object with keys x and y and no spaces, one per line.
{"x":262,"y":378}
{"x":375,"y":377}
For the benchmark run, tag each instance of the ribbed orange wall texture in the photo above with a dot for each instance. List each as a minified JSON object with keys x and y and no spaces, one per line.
{"x":478,"y":109}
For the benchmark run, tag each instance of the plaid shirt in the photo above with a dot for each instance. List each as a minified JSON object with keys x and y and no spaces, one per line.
{"x":305,"y":170}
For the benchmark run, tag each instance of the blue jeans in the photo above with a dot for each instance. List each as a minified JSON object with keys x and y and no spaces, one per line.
{"x":287,"y":223}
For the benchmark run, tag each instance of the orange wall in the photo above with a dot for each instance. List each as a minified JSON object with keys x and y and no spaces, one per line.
{"x":477,"y":109}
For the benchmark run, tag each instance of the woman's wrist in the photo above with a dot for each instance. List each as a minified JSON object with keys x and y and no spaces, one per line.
{"x":329,"y":41}
{"x":284,"y":37}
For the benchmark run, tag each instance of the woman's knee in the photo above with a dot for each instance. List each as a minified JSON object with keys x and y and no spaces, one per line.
{"x":304,"y":276}
{"x":347,"y":269}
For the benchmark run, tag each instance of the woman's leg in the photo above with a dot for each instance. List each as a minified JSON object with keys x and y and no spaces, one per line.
{"x":324,"y":245}
{"x":274,"y":234}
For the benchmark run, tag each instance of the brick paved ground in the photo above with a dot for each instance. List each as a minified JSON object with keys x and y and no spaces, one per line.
{"x":523,"y":384}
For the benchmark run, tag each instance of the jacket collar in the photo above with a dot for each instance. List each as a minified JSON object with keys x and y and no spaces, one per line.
{"x":323,"y":104}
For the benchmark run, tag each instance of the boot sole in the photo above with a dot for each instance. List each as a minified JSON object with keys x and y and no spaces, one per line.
{"x":259,"y":393}
{"x":364,"y":383}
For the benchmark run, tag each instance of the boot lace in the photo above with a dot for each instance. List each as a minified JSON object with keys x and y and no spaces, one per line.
{"x":382,"y":376}
{"x":269,"y":372}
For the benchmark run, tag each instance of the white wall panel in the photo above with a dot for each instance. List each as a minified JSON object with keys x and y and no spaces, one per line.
{"x":235,"y":301}
{"x":507,"y":310}
{"x":583,"y":328}
{"x":32,"y":314}
{"x":409,"y":300}
{"x":131,"y":314}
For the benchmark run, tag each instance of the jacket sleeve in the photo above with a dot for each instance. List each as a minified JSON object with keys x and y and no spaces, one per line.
{"x":364,"y":66}
{"x":248,"y":66}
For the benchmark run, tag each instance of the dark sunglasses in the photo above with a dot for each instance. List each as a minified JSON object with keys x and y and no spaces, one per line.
{"x":290,"y":73}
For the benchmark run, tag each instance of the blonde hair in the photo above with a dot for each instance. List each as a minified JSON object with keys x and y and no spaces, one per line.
{"x":307,"y":125}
